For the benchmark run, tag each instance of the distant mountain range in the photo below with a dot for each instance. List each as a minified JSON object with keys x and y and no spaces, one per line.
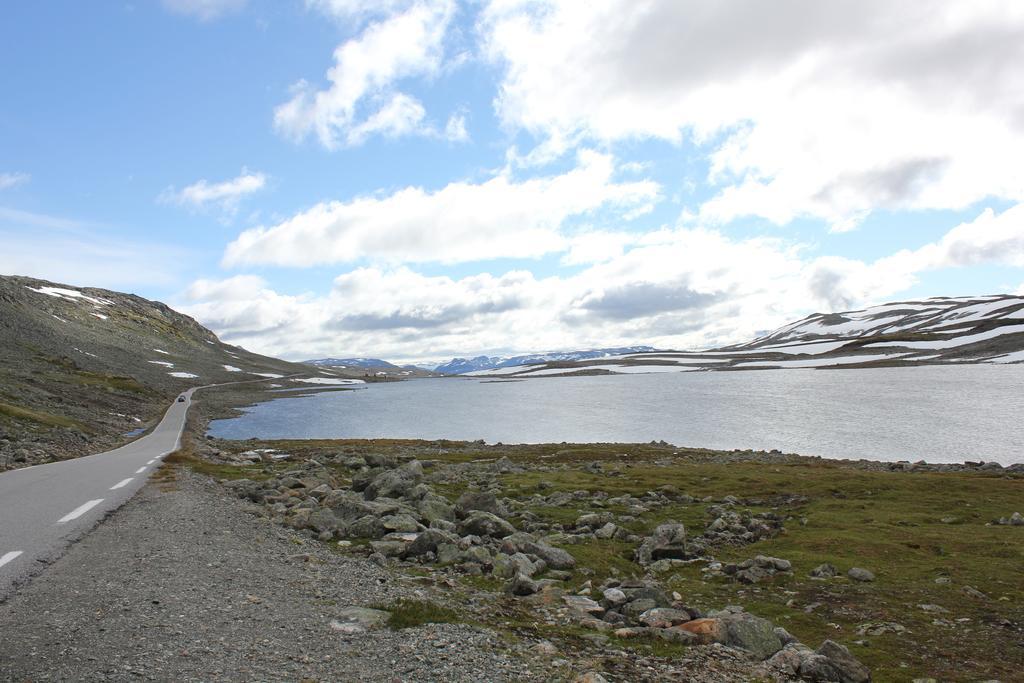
{"x":462,"y":366}
{"x":352,"y":363}
{"x":941,"y":330}
{"x":370,"y":365}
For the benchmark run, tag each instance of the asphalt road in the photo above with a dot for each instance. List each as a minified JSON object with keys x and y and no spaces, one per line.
{"x":45,"y":508}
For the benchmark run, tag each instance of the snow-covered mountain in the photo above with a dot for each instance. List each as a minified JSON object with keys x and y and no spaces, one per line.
{"x":351,"y":363}
{"x":462,"y":366}
{"x":900,"y":321}
{"x":370,"y":365}
{"x":941,"y":330}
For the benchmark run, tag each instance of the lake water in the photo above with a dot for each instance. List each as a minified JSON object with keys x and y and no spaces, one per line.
{"x":938,"y":413}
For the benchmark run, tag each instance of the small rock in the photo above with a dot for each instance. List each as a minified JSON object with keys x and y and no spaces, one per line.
{"x":667,"y":541}
{"x":481,"y":523}
{"x":523,"y":585}
{"x":664,"y":617}
{"x":358,"y":619}
{"x":613,"y":597}
{"x":707,"y":631}
{"x":634,"y":609}
{"x":583,"y":604}
{"x":845,"y":665}
{"x":860,"y":574}
{"x":824,"y":571}
{"x":975,"y":593}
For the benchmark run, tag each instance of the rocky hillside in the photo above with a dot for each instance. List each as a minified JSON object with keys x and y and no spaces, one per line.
{"x":81,"y":368}
{"x":935,"y":331}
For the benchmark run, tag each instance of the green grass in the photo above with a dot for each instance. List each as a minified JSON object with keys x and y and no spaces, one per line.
{"x":409,"y":613}
{"x":186,"y":457}
{"x":42,"y":417}
{"x":108,"y":382}
{"x":887,"y":522}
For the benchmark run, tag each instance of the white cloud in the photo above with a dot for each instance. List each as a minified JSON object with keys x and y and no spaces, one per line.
{"x":682,"y":287}
{"x":455,"y":129}
{"x":225,"y":195}
{"x":461,"y":222}
{"x":360,"y":99}
{"x":992,"y":238}
{"x":402,"y":115}
{"x":8,"y":180}
{"x":596,"y":246}
{"x":675,"y":287}
{"x":348,"y":9}
{"x":825,"y":110}
{"x":204,"y":10}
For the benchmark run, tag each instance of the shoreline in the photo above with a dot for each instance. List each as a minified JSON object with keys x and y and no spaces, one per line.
{"x":759,"y":528}
{"x":233,"y":408}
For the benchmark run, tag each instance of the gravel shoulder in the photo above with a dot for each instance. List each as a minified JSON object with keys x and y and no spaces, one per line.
{"x":184,"y":584}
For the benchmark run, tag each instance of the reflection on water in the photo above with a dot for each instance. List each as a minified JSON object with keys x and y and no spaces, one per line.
{"x":938,"y":413}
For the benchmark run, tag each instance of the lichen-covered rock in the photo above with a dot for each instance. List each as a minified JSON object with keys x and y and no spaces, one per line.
{"x":664,"y":617}
{"x":753,"y":634}
{"x":480,"y":500}
{"x":556,"y":558}
{"x":757,"y":568}
{"x":346,"y":507}
{"x":480,"y":523}
{"x":434,"y":508}
{"x":860,"y":574}
{"x":633,"y":609}
{"x":523,"y":585}
{"x":367,"y":527}
{"x":667,"y":542}
{"x":428,"y":542}
{"x":393,"y":483}
{"x":706,"y":631}
{"x":824,"y":571}
{"x":401,"y":523}
{"x":846,"y":667}
{"x":613,"y":597}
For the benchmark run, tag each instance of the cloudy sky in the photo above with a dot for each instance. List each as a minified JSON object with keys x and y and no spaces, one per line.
{"x":416,"y":180}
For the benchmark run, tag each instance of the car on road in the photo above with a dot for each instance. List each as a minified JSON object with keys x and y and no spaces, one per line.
{"x":181,"y":399}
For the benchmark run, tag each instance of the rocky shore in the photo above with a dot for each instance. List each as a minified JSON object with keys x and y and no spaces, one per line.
{"x":571,"y":541}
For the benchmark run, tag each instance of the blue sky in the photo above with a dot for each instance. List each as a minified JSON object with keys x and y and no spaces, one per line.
{"x":419,"y":180}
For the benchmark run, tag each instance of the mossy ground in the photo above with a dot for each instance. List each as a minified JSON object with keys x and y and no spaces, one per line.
{"x":46,"y":419}
{"x":408,"y":613}
{"x":909,"y":528}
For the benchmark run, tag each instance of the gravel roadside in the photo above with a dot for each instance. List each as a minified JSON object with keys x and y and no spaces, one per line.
{"x":184,"y":584}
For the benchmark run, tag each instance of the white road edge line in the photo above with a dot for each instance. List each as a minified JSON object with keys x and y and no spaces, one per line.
{"x":140,"y":470}
{"x":79,"y":511}
{"x":4,"y":559}
{"x":122,"y":483}
{"x":151,"y":461}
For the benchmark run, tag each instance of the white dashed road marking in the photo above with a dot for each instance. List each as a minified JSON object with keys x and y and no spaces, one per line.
{"x":120,"y":484}
{"x":79,"y":511}
{"x":4,"y":559}
{"x":140,"y":470}
{"x":151,"y":461}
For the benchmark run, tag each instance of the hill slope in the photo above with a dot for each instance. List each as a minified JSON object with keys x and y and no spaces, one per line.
{"x":941,"y":330}
{"x":81,"y":367}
